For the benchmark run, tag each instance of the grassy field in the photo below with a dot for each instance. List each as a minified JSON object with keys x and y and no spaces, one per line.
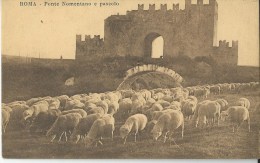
{"x":216,"y":142}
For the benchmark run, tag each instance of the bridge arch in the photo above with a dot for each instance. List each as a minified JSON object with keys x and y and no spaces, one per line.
{"x":150,"y":68}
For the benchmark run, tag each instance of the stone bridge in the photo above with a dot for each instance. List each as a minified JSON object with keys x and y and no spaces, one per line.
{"x":133,"y":73}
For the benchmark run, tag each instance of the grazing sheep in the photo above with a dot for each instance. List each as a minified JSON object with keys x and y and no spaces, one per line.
{"x":158,"y":96}
{"x":188,"y":108}
{"x":16,"y":118}
{"x":54,"y":103}
{"x":223,"y":103}
{"x":136,"y":107}
{"x":127,"y":93}
{"x":237,"y":115}
{"x":35,"y":109}
{"x":89,"y":106}
{"x":202,"y":92}
{"x":100,"y":129}
{"x":138,"y":97}
{"x":207,"y":111}
{"x":146,"y":94}
{"x":97,"y":110}
{"x":111,"y":96}
{"x":63,"y":99}
{"x":193,"y":98}
{"x":12,"y":104}
{"x":173,"y":107}
{"x":164,"y":103}
{"x":5,"y":119}
{"x":103,"y":105}
{"x":155,"y":107}
{"x":167,"y":98}
{"x":73,"y":104}
{"x":79,"y":111}
{"x":167,"y":123}
{"x":113,"y":107}
{"x":134,"y":123}
{"x":84,"y":126}
{"x":7,"y":108}
{"x":44,"y":120}
{"x":215,"y":89}
{"x":243,"y":102}
{"x":150,"y":102}
{"x":125,"y":106}
{"x":156,"y":114}
{"x":63,"y":124}
{"x":150,"y":126}
{"x":32,"y":101}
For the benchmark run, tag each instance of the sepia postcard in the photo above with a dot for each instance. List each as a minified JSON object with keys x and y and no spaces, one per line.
{"x":130,"y":79}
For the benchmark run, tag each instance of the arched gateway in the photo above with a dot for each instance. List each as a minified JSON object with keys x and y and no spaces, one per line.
{"x":138,"y":70}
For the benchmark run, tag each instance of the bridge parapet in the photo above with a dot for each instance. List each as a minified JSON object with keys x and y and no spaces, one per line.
{"x":151,"y":67}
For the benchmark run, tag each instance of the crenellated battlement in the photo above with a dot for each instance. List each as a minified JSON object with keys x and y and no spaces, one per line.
{"x":224,"y":44}
{"x":89,"y":38}
{"x":91,"y":45}
{"x":224,"y":53}
{"x":191,"y":31}
{"x":163,"y":7}
{"x":200,"y":2}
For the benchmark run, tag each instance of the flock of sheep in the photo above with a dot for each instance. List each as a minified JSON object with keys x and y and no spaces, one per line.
{"x":158,"y":112}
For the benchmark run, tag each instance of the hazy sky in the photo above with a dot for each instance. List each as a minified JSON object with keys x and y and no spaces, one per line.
{"x":23,"y":32}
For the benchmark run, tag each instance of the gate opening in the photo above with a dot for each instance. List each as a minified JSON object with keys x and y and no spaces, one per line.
{"x":154,"y":44}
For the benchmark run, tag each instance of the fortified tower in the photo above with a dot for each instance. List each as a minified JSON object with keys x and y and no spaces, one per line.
{"x":191,"y":32}
{"x":90,"y":47}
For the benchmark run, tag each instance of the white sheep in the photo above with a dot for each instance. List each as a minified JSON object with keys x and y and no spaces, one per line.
{"x":150,"y":102}
{"x":113,"y":107}
{"x":158,"y":96}
{"x":156,"y":114}
{"x":155,"y":107}
{"x":89,"y":106}
{"x":97,"y":110}
{"x":63,"y":124}
{"x":16,"y":118}
{"x":237,"y":115}
{"x":103,"y":105}
{"x":207,"y":112}
{"x":125,"y":106}
{"x":44,"y":120}
{"x":167,"y":98}
{"x":79,"y":111}
{"x":101,"y":128}
{"x":164,"y":103}
{"x":73,"y":104}
{"x":215,"y":89}
{"x":168,"y":123}
{"x":32,"y":101}
{"x":243,"y":102}
{"x":54,"y":103}
{"x":189,"y":108}
{"x":134,"y":123}
{"x":223,"y":103}
{"x":7,"y":108}
{"x":5,"y":118}
{"x":84,"y":126}
{"x":63,"y":99}
{"x":136,"y":107}
{"x":12,"y":104}
{"x":35,"y":109}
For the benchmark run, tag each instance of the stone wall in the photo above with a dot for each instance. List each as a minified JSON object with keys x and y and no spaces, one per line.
{"x":191,"y":32}
{"x":225,"y":54}
{"x":188,"y":31}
